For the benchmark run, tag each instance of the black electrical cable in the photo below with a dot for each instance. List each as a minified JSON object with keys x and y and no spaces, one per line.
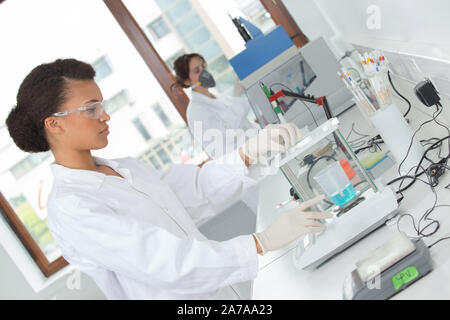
{"x":445,"y":238}
{"x":440,"y":124}
{"x":393,"y":87}
{"x":416,"y":174}
{"x":421,"y":231}
{"x":427,"y":142}
{"x":436,"y":166}
{"x":372,"y":143}
{"x":407,"y":176}
{"x":357,"y":140}
{"x":435,"y":114}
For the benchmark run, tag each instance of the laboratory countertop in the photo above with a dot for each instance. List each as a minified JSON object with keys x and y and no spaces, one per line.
{"x":278,"y":277}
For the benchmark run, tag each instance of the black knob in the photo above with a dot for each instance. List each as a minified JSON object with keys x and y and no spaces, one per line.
{"x":293,"y":194}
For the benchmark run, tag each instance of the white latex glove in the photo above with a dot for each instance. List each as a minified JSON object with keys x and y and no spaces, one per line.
{"x":270,"y":139}
{"x":292,"y":225}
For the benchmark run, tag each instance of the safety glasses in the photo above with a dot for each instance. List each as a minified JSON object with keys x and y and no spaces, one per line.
{"x":92,"y":111}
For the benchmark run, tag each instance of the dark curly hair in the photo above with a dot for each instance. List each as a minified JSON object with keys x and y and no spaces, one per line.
{"x":181,"y":68}
{"x":41,"y":93}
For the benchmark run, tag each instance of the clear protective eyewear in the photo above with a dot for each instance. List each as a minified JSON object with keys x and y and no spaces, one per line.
{"x":93,"y":110}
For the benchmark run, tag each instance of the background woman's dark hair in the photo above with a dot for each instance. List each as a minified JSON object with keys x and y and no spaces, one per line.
{"x":181,"y":68}
{"x":41,"y":93}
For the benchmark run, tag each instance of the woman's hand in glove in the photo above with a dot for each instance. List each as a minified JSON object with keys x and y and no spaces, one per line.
{"x":292,"y":225}
{"x":274,"y":137}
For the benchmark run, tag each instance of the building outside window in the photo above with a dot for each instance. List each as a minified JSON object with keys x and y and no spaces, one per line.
{"x":141,"y":128}
{"x":162,"y":115}
{"x":28,"y":163}
{"x":200,"y":31}
{"x":163,"y":156}
{"x":154,"y":162}
{"x":117,"y":101}
{"x":158,"y":28}
{"x":257,"y":15}
{"x":197,"y":37}
{"x":102,"y":67}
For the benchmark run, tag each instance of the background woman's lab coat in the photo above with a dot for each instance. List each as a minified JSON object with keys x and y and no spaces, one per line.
{"x":136,"y":236}
{"x":225,"y":113}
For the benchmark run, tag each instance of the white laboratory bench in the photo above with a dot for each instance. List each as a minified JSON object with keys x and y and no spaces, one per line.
{"x":278,"y":278}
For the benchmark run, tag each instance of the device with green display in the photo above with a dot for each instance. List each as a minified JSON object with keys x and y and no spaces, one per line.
{"x":388,"y":270}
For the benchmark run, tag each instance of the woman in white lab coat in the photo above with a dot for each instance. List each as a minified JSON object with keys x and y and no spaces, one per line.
{"x":128,"y":226}
{"x":208,"y":111}
{"x":218,"y":122}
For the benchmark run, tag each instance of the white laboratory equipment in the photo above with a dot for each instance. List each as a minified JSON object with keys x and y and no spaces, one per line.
{"x":358,"y":204}
{"x":272,"y":62}
{"x":388,"y":270}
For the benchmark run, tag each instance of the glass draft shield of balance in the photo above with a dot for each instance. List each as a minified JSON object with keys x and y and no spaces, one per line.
{"x":322,"y":162}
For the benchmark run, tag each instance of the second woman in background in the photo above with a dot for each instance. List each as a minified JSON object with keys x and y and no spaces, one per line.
{"x":217,"y":122}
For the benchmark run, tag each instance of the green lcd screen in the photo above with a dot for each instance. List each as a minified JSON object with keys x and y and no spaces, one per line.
{"x":404,"y":276}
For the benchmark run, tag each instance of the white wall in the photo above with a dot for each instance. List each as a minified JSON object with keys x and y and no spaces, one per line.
{"x":309,"y":18}
{"x":412,"y":33}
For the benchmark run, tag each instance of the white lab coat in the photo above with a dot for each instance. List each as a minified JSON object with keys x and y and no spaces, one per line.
{"x":225,"y":113}
{"x":137,"y":238}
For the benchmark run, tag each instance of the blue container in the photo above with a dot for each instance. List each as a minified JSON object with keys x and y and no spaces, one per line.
{"x":347,"y":194}
{"x":260,"y":51}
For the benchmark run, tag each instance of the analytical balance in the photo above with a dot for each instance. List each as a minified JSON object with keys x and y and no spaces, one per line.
{"x":322,"y":162}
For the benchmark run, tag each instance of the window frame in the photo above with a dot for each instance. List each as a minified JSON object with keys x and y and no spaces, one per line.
{"x":46,"y":267}
{"x":149,"y":54}
{"x":280,"y":15}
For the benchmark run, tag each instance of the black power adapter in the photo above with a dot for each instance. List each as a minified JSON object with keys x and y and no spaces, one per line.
{"x":427,"y":93}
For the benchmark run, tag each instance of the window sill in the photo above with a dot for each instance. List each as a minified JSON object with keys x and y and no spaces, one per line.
{"x":24,"y":262}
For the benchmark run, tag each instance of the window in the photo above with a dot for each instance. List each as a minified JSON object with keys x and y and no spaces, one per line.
{"x":155,"y":163}
{"x":162,"y":115}
{"x":117,"y":101}
{"x":210,"y":50}
{"x":141,"y":128}
{"x":35,"y":225}
{"x":194,"y":30}
{"x":177,"y":11}
{"x":226,"y":81}
{"x":173,"y":57}
{"x":29,"y":163}
{"x":159,"y":28}
{"x":102,"y":67}
{"x":258,"y":16}
{"x":163,"y":156}
{"x":188,"y":24}
{"x":219,"y":65}
{"x":197,"y":38}
{"x":199,"y":26}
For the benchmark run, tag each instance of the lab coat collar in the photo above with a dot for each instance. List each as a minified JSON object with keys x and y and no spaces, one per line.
{"x":91,"y":179}
{"x":201,"y":98}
